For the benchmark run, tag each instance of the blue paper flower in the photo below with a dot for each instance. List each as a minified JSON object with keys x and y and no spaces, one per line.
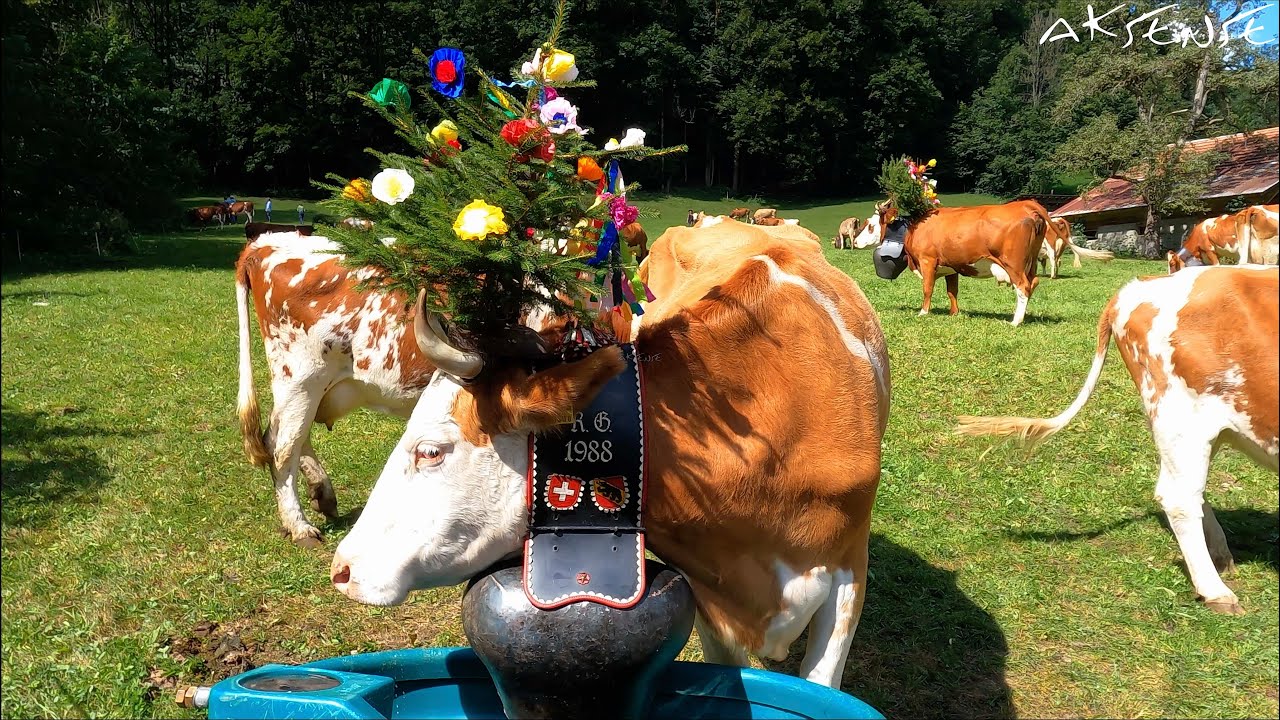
{"x":446,"y":66}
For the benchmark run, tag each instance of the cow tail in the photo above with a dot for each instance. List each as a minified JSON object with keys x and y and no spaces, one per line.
{"x":1033,"y":431}
{"x":1088,"y":254}
{"x":247,"y":407}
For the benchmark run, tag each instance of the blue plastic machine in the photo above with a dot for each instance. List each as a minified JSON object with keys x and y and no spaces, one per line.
{"x":453,"y":683}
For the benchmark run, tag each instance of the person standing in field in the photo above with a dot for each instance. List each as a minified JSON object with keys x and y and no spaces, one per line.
{"x":302,"y":214}
{"x":268,"y":208}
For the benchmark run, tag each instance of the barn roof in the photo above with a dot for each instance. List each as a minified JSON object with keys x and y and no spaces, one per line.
{"x":1252,"y":166}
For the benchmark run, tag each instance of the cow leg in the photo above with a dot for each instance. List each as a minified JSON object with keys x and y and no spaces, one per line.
{"x":953,"y":292}
{"x":1055,"y":256}
{"x":832,"y":628}
{"x":323,"y":498}
{"x":928,"y":273}
{"x":717,"y":651}
{"x":1184,"y":467}
{"x":1217,"y":541}
{"x":291,"y":420}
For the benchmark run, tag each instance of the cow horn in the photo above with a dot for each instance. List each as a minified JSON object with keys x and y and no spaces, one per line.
{"x":432,"y":342}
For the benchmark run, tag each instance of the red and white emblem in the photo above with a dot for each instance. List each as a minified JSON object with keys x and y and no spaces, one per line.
{"x":564,"y":492}
{"x":609,"y":493}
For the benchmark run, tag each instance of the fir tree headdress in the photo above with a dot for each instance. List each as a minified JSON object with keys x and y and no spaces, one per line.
{"x":911,"y":193}
{"x":505,"y":206}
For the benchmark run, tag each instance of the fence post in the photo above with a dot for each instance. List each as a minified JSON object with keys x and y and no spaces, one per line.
{"x":95,"y":243}
{"x":18,"y":234}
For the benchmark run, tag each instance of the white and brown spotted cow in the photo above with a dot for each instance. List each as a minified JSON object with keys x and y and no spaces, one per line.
{"x":766,"y":399}
{"x":330,"y":350}
{"x":1201,"y":346}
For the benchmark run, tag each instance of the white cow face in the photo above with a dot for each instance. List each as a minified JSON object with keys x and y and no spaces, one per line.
{"x":446,"y":507}
{"x":442,"y":510}
{"x":872,"y":233}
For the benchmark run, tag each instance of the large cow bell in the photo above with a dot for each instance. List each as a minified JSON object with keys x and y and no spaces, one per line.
{"x":583,"y":660}
{"x":890,"y":256}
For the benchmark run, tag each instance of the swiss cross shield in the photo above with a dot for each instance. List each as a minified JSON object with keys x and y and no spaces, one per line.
{"x":609,"y":493}
{"x":564,"y":492}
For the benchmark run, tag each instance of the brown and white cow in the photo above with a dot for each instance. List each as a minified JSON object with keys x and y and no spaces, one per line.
{"x":255,"y":229}
{"x":1203,"y":382}
{"x":1000,"y":241}
{"x":202,"y":215}
{"x":766,"y":398}
{"x":240,"y":206}
{"x":330,"y":350}
{"x":762,"y":213}
{"x":1258,"y":228}
{"x":740,"y":213}
{"x":844,"y":236}
{"x":1057,"y":240}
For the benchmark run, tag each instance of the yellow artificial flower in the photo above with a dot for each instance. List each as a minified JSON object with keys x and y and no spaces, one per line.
{"x":358,"y":190}
{"x":478,"y":220}
{"x":932,"y":162}
{"x":444,"y":132}
{"x":559,"y":66}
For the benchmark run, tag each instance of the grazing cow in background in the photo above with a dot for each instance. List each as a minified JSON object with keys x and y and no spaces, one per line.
{"x":1000,"y":241}
{"x":1208,"y":240}
{"x":357,"y":223}
{"x":202,"y":215}
{"x":740,"y":214}
{"x":330,"y":350}
{"x":767,"y":518}
{"x":844,"y":236}
{"x":254,"y":229}
{"x":240,"y":206}
{"x":769,"y":221}
{"x":764,"y":213}
{"x":1057,"y":240}
{"x":693,"y":217}
{"x":1201,"y":347}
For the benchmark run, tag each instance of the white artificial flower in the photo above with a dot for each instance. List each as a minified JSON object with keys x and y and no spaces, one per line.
{"x":533,"y":66}
{"x":612,"y":144}
{"x":633,"y":138}
{"x":392,"y":186}
{"x":388,"y":241}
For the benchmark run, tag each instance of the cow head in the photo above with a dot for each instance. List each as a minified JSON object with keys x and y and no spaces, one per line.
{"x":451,"y":499}
{"x":873,"y":232}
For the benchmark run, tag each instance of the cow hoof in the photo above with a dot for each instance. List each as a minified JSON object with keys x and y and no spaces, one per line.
{"x":308,"y":542}
{"x":326,"y":505}
{"x":1225,"y":606}
{"x":1224,"y":565}
{"x":922,"y":313}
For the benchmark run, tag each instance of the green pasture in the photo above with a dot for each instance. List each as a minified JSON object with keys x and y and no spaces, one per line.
{"x":1002,"y":584}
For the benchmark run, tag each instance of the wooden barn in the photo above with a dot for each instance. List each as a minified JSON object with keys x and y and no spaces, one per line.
{"x":1113,"y":213}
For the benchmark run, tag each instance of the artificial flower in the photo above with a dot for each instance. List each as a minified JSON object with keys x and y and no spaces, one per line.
{"x":520,"y":133}
{"x":589,"y":169}
{"x":560,"y":116}
{"x":444,"y":152}
{"x":932,"y":162}
{"x":551,"y":94}
{"x":633,"y":138}
{"x":532,"y":67}
{"x":444,"y":132}
{"x":392,"y":185}
{"x":559,"y":67}
{"x":390,"y":92}
{"x":478,"y":220}
{"x":933,"y":183}
{"x":612,"y":144}
{"x":446,"y":67}
{"x":622,"y":213}
{"x":357,"y":190}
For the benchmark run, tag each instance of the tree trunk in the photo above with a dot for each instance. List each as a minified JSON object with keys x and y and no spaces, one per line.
{"x":1149,"y":242}
{"x":737,"y":155}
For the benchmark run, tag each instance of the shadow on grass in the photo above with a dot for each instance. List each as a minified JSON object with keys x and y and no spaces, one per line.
{"x":46,"y":466}
{"x":1252,"y":535}
{"x":187,"y":249}
{"x":1058,"y":536}
{"x":40,"y":294}
{"x":923,"y":648}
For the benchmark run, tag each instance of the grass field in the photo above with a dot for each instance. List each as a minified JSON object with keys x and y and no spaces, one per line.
{"x":1002,"y":584}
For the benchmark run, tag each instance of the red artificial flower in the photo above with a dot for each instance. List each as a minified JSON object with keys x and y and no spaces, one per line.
{"x":446,"y":72}
{"x":444,"y":152}
{"x":523,"y":132}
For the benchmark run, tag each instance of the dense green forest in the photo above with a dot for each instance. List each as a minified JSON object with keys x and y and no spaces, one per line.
{"x":113,"y":107}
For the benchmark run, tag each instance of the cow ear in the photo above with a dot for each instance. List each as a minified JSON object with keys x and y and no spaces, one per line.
{"x":524,"y":403}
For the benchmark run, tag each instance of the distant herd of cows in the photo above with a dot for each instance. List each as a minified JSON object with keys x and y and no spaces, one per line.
{"x":1200,"y":345}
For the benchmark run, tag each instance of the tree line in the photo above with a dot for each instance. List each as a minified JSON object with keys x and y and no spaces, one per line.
{"x":113,"y":106}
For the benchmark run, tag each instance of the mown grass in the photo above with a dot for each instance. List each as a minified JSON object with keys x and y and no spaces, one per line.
{"x":1003,"y":584}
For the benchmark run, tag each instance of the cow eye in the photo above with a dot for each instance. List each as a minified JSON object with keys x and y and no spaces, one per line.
{"x":427,"y":455}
